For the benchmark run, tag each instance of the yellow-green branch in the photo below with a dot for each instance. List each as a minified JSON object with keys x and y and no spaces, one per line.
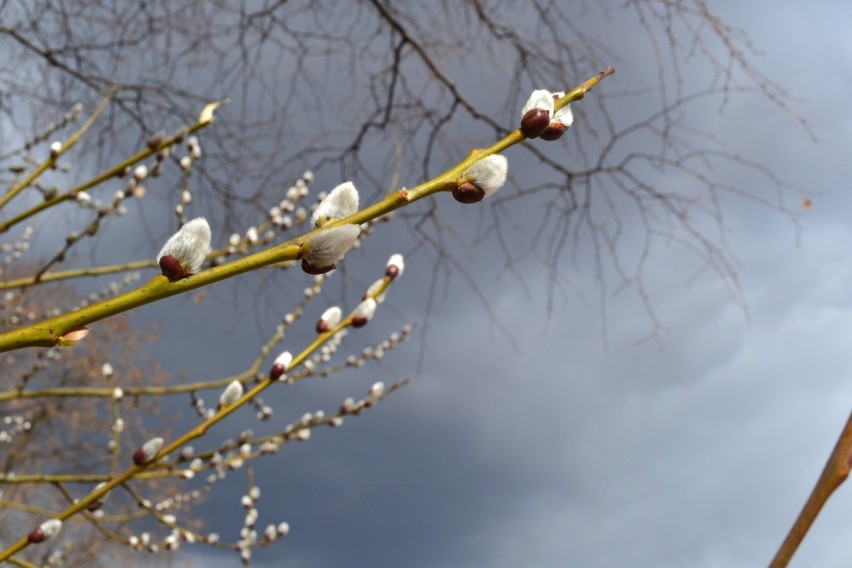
{"x":109,"y":392}
{"x":50,"y":332}
{"x":78,"y":272}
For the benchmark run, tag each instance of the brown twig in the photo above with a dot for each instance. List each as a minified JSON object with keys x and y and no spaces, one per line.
{"x":833,"y":475}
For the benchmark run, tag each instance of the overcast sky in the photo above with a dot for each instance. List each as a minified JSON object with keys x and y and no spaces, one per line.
{"x":579,"y":441}
{"x":575,"y":449}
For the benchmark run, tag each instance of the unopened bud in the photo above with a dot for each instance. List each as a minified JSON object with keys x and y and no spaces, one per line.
{"x":488,"y":175}
{"x":148,"y":451}
{"x":537,"y":112}
{"x":231,"y":394}
{"x":329,"y":319}
{"x":303,"y":435}
{"x":373,"y":291}
{"x":468,"y":193}
{"x":323,"y":249}
{"x":308,"y":268}
{"x":98,"y":503}
{"x":171,"y":268}
{"x":46,"y":531}
{"x":395,"y":266}
{"x":194,"y":147}
{"x":377,"y":390}
{"x":554,"y":131}
{"x":347,"y":405}
{"x":185,"y":251}
{"x":535,"y":122}
{"x":280,"y":366}
{"x":140,"y":173}
{"x":341,"y":202}
{"x":156,"y":139}
{"x":364,"y":312}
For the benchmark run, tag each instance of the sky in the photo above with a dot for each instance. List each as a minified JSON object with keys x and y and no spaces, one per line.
{"x":586,"y":436}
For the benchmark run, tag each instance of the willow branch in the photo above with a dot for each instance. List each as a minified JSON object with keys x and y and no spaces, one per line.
{"x":77,"y":273}
{"x":50,"y":332}
{"x":109,"y":392}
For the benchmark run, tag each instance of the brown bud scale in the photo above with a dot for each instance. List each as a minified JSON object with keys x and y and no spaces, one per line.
{"x":171,"y":268}
{"x":467,"y":193}
{"x":311,"y":269}
{"x":554,"y":131}
{"x":36,"y":536}
{"x":276,"y":371}
{"x":139,"y":457}
{"x":535,"y":122}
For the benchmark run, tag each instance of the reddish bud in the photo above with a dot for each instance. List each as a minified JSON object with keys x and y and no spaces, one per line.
{"x":276,"y":371}
{"x":279,"y":367}
{"x":139,"y":457}
{"x":392,"y":271}
{"x":45,"y":531}
{"x":554,"y":131}
{"x":148,"y":451}
{"x":329,"y":319}
{"x":364,"y":312}
{"x":171,"y":268}
{"x":534,"y":122}
{"x":467,"y":192}
{"x":36,"y":536}
{"x":182,"y":133}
